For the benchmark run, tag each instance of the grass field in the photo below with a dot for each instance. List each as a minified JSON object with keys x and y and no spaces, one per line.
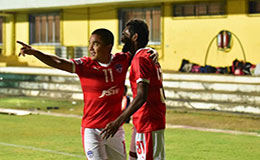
{"x":41,"y":137}
{"x":196,"y":118}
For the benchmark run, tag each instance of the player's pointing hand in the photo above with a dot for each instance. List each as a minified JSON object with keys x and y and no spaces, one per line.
{"x":26,"y":49}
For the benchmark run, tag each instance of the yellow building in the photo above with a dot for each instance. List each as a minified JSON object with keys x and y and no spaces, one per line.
{"x":179,"y":29}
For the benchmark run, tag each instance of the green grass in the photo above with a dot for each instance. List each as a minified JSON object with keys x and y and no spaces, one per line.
{"x":196,"y":145}
{"x":47,"y":132}
{"x":196,"y":118}
{"x":215,"y":119}
{"x":63,"y":135}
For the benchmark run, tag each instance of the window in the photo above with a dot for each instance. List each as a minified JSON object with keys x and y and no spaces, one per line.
{"x":45,"y":28}
{"x":199,"y":9}
{"x":1,"y":30}
{"x":152,"y":16}
{"x":254,"y":7}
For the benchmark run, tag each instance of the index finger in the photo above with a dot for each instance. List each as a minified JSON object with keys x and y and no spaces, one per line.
{"x":103,"y":131}
{"x":23,"y":44}
{"x":150,"y":51}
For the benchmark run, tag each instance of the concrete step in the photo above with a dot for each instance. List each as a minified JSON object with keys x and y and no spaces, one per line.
{"x":230,"y":97}
{"x":213,"y":86}
{"x":200,"y":91}
{"x":3,"y":64}
{"x":36,"y":85}
{"x":42,"y":93}
{"x":177,"y":76}
{"x":66,"y":79}
{"x":209,"y":105}
{"x":35,"y":71}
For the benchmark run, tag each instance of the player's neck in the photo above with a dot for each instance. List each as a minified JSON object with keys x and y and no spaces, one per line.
{"x":106,"y":60}
{"x":135,"y":48}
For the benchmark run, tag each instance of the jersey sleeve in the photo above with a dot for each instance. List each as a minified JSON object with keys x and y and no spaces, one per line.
{"x":142,"y":69}
{"x":79,"y":65}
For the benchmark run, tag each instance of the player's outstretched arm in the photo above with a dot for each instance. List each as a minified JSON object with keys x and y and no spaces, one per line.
{"x":49,"y":59}
{"x":138,"y":101}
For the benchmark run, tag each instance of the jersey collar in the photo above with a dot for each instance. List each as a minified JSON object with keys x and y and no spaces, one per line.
{"x":106,"y":64}
{"x":141,"y":49}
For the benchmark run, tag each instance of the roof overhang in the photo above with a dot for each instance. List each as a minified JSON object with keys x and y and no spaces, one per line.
{"x":18,"y":5}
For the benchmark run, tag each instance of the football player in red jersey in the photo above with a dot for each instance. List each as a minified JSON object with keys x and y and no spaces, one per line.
{"x":148,"y":106}
{"x":102,"y":77}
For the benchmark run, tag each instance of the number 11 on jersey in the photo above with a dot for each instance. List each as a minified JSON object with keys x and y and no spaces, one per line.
{"x":108,"y":75}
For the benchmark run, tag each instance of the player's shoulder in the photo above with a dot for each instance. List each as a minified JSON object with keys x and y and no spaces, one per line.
{"x":83,"y":60}
{"x":143,"y":52}
{"x":121,"y":56}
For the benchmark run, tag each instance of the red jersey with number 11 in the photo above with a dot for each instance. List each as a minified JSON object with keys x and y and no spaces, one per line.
{"x":151,"y":116}
{"x":103,"y":88}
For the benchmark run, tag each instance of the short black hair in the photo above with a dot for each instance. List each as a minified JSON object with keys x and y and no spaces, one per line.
{"x":107,"y":36}
{"x":140,"y":27}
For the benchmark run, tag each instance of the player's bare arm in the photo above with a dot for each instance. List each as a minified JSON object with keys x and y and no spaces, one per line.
{"x":49,"y":59}
{"x":139,"y":100}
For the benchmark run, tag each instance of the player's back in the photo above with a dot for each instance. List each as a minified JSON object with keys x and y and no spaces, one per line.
{"x":151,"y":116}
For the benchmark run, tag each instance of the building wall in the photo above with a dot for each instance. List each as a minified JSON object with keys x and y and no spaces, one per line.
{"x":182,"y":37}
{"x":105,"y":17}
{"x":75,"y":27}
{"x":189,"y":37}
{"x":8,"y":38}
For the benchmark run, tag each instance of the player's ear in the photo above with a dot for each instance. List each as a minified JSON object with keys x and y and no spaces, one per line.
{"x":135,"y":37}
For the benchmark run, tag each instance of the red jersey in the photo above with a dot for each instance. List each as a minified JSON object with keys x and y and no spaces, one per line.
{"x":151,"y":116}
{"x":103,"y":88}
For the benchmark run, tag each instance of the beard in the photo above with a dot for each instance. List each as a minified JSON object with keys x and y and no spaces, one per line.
{"x":126,"y":47}
{"x":128,"y":44}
